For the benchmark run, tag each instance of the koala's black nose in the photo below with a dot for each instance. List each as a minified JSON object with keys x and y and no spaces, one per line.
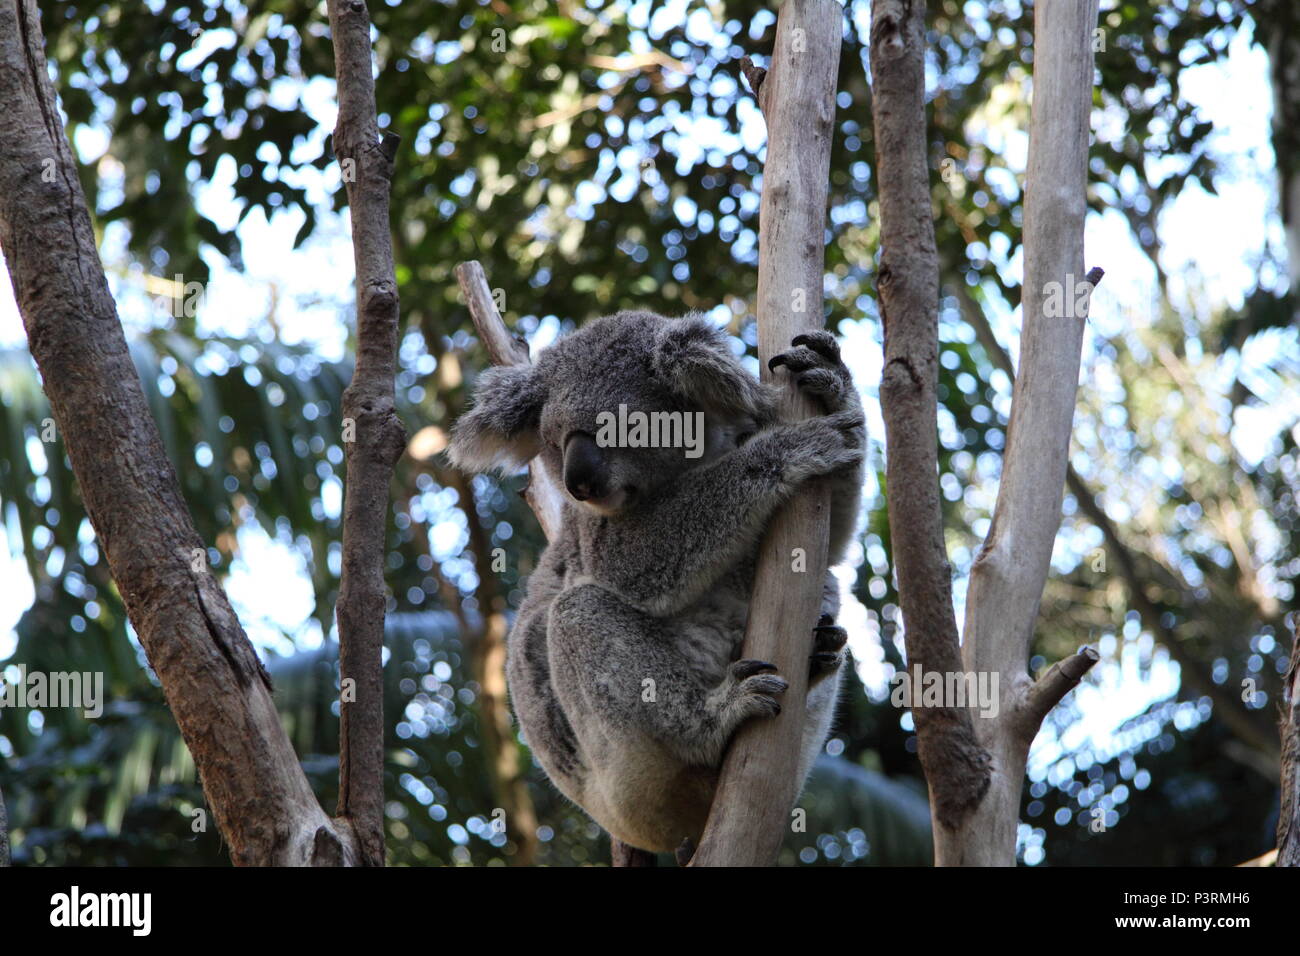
{"x":586,"y":474}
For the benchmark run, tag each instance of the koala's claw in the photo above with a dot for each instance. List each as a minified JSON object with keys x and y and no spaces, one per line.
{"x":821,"y":342}
{"x":758,"y":686}
{"x":814,"y":359}
{"x":748,"y":668}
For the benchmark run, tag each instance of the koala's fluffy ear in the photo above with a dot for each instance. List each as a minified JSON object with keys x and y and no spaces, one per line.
{"x":692,"y":355}
{"x":502,"y":429}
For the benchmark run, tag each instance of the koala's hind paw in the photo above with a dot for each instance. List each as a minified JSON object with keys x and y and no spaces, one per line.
{"x":828,"y":645}
{"x":815,"y":363}
{"x":757,"y":687}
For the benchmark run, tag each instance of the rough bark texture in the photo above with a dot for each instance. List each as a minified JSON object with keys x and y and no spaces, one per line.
{"x":1288,"y":821}
{"x":214,"y":683}
{"x":975,"y":767}
{"x":378,"y":438}
{"x":955,"y":764}
{"x":4,"y":833}
{"x":759,"y":782}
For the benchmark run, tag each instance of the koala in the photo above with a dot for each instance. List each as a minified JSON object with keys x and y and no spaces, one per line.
{"x":623,"y":661}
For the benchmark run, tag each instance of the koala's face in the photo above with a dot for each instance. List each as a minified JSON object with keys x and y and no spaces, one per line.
{"x":615,"y":439}
{"x":617,"y":410}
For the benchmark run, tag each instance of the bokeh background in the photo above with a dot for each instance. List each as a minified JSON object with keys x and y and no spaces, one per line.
{"x":601,"y":155}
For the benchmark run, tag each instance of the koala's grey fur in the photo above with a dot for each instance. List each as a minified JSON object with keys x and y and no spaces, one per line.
{"x":622,"y":663}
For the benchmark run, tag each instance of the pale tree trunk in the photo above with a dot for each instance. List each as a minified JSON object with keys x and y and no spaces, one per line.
{"x":976,"y":765}
{"x":374,"y":436}
{"x":759,"y":781}
{"x":1260,"y":750}
{"x":214,"y":683}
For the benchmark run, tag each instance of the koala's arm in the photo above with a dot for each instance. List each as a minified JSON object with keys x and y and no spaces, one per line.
{"x":675,"y":546}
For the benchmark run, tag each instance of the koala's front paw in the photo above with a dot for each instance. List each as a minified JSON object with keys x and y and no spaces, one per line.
{"x":815,"y":363}
{"x":824,"y":445}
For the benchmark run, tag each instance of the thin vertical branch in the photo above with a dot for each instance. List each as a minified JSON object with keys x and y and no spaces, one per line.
{"x":488,"y":653}
{"x":543,"y":493}
{"x":759,"y":780}
{"x":1288,"y":821}
{"x":4,"y":833}
{"x":374,"y":437}
{"x":955,"y":764}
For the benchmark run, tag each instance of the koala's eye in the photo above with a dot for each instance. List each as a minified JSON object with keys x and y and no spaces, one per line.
{"x":743,"y":437}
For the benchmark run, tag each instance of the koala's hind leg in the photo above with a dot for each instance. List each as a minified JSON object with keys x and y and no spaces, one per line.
{"x":627,"y":672}
{"x":651,"y":714}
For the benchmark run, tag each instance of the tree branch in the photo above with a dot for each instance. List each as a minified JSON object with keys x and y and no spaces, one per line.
{"x":369,"y":418}
{"x":1227,"y":706}
{"x":4,"y":833}
{"x":543,"y":492}
{"x":1048,"y":690}
{"x":1010,"y":571}
{"x":956,"y":765}
{"x":214,"y":684}
{"x":1008,"y":575}
{"x":759,"y":783}
{"x":1288,"y":829}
